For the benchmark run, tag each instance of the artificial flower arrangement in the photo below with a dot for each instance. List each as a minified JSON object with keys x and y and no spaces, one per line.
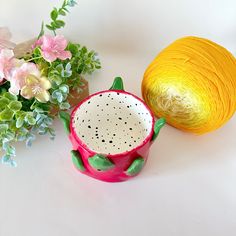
{"x":35,"y":85}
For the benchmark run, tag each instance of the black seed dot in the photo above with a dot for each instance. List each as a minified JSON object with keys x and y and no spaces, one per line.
{"x":110,"y":141}
{"x":125,"y":122}
{"x":88,"y":102}
{"x":125,"y":142}
{"x":82,"y":120}
{"x":89,"y":126}
{"x":114,"y":134}
{"x":130,"y":128}
{"x":100,"y":95}
{"x":96,"y":134}
{"x":127,"y":106}
{"x":118,"y":93}
{"x":103,"y":140}
{"x":130,"y":145}
{"x":96,"y":127}
{"x":82,"y":136}
{"x":120,"y":118}
{"x":98,"y":105}
{"x":107,"y":104}
{"x":107,"y":119}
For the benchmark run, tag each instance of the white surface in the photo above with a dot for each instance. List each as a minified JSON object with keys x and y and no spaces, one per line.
{"x":188,"y":185}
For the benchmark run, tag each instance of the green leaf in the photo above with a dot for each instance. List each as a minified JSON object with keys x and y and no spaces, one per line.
{"x":62,"y":12}
{"x":77,"y":160}
{"x":158,"y":125}
{"x":54,"y":14}
{"x":135,"y":167}
{"x":73,"y":48}
{"x":15,"y":105}
{"x":41,"y":33}
{"x":6,"y":115}
{"x":50,"y":27}
{"x":64,"y":88}
{"x":3,"y":127}
{"x":19,"y":122}
{"x":30,"y":119}
{"x":3,"y":103}
{"x":10,"y":96}
{"x":57,"y":80}
{"x":65,"y":118}
{"x":71,"y":3}
{"x":117,"y":84}
{"x":59,"y":23}
{"x":64,"y":106}
{"x":100,"y":162}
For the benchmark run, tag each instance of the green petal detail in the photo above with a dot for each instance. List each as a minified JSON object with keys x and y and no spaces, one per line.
{"x":117,"y":84}
{"x":100,"y":162}
{"x":135,"y":167}
{"x":158,"y":125}
{"x":76,"y":159}
{"x":65,"y":119}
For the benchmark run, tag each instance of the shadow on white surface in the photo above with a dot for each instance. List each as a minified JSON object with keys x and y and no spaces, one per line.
{"x":175,"y":151}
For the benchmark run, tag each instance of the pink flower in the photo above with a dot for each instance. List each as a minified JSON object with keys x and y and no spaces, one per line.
{"x":19,"y":75}
{"x":6,"y":63}
{"x":53,"y":47}
{"x":5,"y":36}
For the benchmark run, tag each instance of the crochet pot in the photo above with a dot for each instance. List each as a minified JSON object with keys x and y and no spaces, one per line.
{"x":111,"y":132}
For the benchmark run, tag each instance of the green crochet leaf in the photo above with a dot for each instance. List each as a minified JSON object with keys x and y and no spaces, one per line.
{"x":65,"y":119}
{"x":76,"y":159}
{"x":158,"y":125}
{"x":100,"y":162}
{"x":135,"y":167}
{"x":117,"y":84}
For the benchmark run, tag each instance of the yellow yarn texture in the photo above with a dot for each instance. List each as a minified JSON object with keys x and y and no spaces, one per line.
{"x":192,"y":83}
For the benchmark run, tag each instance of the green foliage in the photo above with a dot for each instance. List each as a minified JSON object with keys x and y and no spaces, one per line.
{"x":22,"y":119}
{"x":17,"y":124}
{"x":56,"y":23}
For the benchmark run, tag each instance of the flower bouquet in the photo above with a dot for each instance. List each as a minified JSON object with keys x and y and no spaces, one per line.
{"x":38,"y":82}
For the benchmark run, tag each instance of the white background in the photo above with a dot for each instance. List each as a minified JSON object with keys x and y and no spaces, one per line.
{"x":188,"y":185}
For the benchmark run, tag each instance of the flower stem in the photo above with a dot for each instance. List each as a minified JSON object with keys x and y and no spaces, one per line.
{"x":34,"y":58}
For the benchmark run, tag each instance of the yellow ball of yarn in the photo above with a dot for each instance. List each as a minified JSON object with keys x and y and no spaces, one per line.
{"x":192,"y":83}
